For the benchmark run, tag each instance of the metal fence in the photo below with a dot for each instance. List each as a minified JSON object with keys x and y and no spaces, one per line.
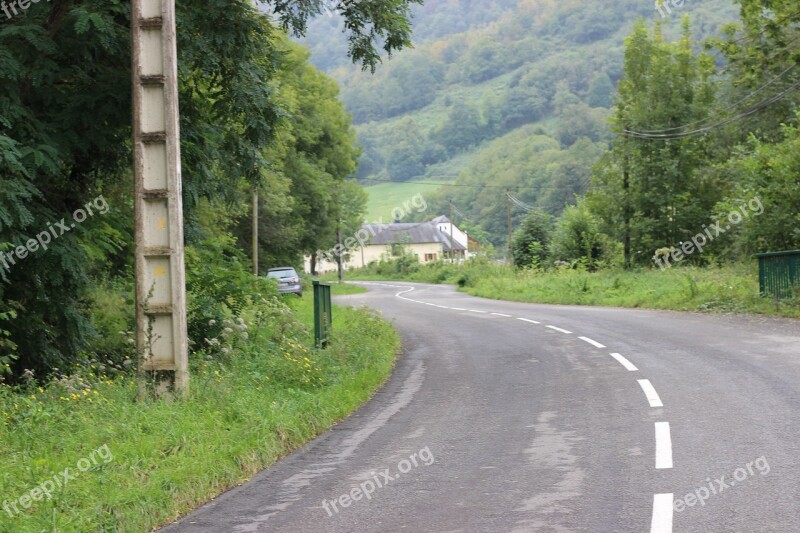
{"x":779,"y":273}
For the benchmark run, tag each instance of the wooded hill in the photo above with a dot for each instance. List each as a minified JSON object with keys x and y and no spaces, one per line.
{"x":508,"y":93}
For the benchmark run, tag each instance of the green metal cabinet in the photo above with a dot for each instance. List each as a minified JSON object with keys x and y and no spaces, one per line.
{"x":779,"y":273}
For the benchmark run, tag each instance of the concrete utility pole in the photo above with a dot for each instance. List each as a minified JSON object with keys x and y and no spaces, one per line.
{"x":161,"y":336}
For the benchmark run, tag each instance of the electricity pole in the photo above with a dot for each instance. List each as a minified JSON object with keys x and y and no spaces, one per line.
{"x":161,"y":336}
{"x":508,"y":211}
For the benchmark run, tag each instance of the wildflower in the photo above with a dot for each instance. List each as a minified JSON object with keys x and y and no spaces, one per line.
{"x":212,"y":322}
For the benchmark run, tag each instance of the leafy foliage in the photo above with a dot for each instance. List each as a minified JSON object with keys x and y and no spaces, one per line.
{"x":254,"y":115}
{"x":530,"y":243}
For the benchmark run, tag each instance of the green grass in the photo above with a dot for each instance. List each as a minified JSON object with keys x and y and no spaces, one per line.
{"x":246,"y":410}
{"x":339,"y":289}
{"x":385,"y":197}
{"x":732,"y":288}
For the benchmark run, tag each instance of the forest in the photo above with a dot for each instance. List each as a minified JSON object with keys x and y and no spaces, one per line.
{"x":254,"y":116}
{"x":534,"y":99}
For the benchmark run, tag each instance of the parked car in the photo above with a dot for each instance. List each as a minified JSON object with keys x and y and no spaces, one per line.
{"x":288,"y":280}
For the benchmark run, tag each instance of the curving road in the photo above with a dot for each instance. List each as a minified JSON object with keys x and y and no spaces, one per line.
{"x":517,"y":417}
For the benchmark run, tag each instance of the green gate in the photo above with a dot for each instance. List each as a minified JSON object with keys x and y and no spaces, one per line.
{"x":323,"y":321}
{"x":779,"y":273}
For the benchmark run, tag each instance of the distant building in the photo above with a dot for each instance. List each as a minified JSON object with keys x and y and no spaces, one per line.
{"x":438,"y":239}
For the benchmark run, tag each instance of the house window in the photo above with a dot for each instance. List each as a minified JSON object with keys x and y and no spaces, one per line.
{"x":430,"y":257}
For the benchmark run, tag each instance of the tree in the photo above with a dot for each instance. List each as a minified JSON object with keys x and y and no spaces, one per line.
{"x":461,"y":129}
{"x":600,"y":91}
{"x":387,"y":22}
{"x":65,"y":139}
{"x":767,"y":184}
{"x":659,"y":197}
{"x":529,"y":245}
{"x":577,"y":237}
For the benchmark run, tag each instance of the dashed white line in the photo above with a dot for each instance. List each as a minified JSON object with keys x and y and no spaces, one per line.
{"x":624,"y":362}
{"x":650,"y":393}
{"x":593,"y":343}
{"x":663,"y":446}
{"x":662,"y":513}
{"x":662,"y":503}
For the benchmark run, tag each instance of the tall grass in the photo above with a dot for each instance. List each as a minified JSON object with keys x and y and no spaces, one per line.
{"x":730,"y":288}
{"x":269,"y":393}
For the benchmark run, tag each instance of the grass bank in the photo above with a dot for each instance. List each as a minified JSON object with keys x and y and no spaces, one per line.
{"x":731,"y":288}
{"x":258,"y":391}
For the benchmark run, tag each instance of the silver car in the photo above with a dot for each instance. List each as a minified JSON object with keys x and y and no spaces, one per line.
{"x":288,"y":280}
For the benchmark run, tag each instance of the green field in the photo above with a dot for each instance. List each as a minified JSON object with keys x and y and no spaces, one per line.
{"x":385,"y":197}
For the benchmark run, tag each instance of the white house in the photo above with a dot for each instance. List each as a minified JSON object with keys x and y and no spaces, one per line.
{"x":429,"y":241}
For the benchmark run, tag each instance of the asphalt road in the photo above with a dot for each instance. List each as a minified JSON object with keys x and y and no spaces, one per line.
{"x":517,"y":417}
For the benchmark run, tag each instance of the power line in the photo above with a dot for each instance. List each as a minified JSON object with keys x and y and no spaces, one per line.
{"x":459,"y":213}
{"x":519,"y":203}
{"x":721,"y":112}
{"x":754,"y":109}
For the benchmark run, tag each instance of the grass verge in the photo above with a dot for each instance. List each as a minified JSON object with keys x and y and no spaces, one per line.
{"x":138,"y":465}
{"x":731,"y":288}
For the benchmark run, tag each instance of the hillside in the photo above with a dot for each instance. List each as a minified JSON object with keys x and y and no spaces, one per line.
{"x":510,"y":93}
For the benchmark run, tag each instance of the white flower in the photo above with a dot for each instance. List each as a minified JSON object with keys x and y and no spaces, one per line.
{"x":212,"y":322}
{"x":228,"y":330}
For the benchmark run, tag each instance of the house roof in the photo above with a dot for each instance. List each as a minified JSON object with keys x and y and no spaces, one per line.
{"x":404,"y":233}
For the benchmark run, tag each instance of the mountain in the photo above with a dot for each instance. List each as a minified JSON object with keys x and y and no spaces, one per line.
{"x":500,"y":94}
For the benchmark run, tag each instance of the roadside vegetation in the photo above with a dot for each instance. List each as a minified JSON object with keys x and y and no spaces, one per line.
{"x":256,"y":120}
{"x":259,"y":390}
{"x":727,"y":288}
